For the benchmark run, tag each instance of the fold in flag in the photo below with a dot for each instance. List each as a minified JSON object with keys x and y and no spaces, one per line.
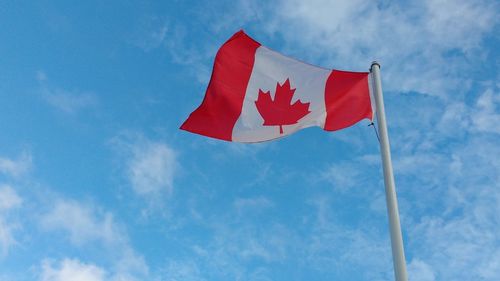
{"x":256,"y":94}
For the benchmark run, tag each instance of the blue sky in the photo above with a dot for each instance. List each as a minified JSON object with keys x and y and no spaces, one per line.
{"x":97,"y":183}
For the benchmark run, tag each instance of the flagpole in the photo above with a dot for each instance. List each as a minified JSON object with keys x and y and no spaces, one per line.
{"x":398,"y":256}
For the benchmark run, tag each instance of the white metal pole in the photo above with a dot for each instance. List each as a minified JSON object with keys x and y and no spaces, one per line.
{"x":398,"y":256}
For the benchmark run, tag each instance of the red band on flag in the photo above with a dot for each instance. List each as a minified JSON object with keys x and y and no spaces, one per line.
{"x":347,"y":99}
{"x":223,"y":101}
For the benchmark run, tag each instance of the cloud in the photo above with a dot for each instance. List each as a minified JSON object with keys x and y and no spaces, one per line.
{"x":348,"y":174}
{"x":9,"y":200}
{"x":150,"y":33}
{"x":7,"y":239}
{"x":235,"y":244}
{"x":480,"y":117}
{"x":150,"y":166}
{"x":427,"y":46}
{"x":86,"y":227}
{"x":71,"y":270}
{"x":195,"y":56}
{"x":486,"y":116}
{"x":419,"y":270}
{"x":415,"y":41}
{"x":234,"y":247}
{"x":67,"y":101}
{"x":18,"y":167}
{"x":445,"y":151}
{"x":459,"y":232}
{"x":183,"y":271}
{"x":445,"y":143}
{"x":447,"y":173}
{"x":447,"y":178}
{"x":343,"y":176}
{"x":353,"y":250}
{"x":154,"y":33}
{"x":252,"y":204}
{"x":82,"y":223}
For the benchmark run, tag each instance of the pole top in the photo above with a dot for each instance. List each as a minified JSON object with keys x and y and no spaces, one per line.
{"x":374,"y":63}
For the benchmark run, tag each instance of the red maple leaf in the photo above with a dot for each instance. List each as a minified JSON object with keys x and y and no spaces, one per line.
{"x":279,"y":112}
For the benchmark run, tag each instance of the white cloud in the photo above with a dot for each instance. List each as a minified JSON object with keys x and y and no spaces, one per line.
{"x":130,"y":265}
{"x":458,"y":24}
{"x":182,"y":271}
{"x":182,"y":52}
{"x":452,"y":224}
{"x":7,"y":239}
{"x":421,"y":271}
{"x":361,"y":249}
{"x":67,"y":101}
{"x":9,"y":200}
{"x":252,"y":204}
{"x":481,"y":117}
{"x":150,"y":166}
{"x":425,"y":46}
{"x":71,"y":270}
{"x":413,"y":40}
{"x":233,"y":247}
{"x":86,"y":226}
{"x":175,"y":40}
{"x":485,"y":116}
{"x":81,"y":222}
{"x":343,"y":176}
{"x":18,"y":167}
{"x":150,"y":33}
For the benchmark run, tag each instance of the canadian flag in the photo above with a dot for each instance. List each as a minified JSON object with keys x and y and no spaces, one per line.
{"x":256,"y":94}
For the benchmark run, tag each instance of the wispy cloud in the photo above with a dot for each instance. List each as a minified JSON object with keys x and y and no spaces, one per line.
{"x":86,"y":226}
{"x":419,"y":270}
{"x":71,"y":270}
{"x":82,"y":223}
{"x":485,"y":115}
{"x":186,"y":271}
{"x":444,"y":143}
{"x":67,"y":101}
{"x":252,"y":204}
{"x":360,"y":249}
{"x":425,"y":40}
{"x":9,"y":201}
{"x":150,"y":166}
{"x":425,"y":46}
{"x":460,"y":233}
{"x":174,"y":39}
{"x":150,"y":33}
{"x":343,"y":176}
{"x":74,"y":224}
{"x":16,"y":167}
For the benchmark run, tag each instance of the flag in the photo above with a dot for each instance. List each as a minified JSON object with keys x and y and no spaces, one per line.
{"x":256,"y":94}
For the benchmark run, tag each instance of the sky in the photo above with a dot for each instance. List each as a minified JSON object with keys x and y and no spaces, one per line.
{"x":97,"y":183}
